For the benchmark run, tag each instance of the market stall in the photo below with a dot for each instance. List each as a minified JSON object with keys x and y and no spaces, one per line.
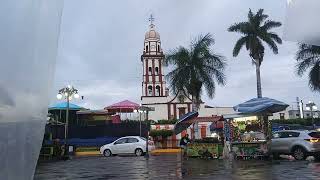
{"x":246,"y":132}
{"x":206,"y":146}
{"x":243,"y":133}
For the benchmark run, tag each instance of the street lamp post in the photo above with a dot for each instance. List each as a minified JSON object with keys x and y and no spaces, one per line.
{"x":147,"y":142}
{"x":145,"y":111}
{"x":140,"y":112}
{"x":310,"y":106}
{"x":67,"y":93}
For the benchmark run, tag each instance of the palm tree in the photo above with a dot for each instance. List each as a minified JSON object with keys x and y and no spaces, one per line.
{"x":195,"y":69}
{"x":254,"y":32}
{"x":308,"y":57}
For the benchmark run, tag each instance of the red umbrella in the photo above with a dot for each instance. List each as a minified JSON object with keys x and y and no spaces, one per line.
{"x":123,"y":106}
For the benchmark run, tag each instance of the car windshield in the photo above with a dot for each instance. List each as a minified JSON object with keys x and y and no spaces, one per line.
{"x":143,"y":138}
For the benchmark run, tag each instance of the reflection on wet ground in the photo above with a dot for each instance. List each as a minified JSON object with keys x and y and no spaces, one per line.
{"x":172,"y":167}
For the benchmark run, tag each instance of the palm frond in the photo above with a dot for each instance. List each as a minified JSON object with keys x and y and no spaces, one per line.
{"x":275,"y":37}
{"x":269,"y":41}
{"x":305,"y":64}
{"x":314,"y":77}
{"x":269,"y":24}
{"x":239,"y":44}
{"x":241,"y":27}
{"x":177,"y":56}
{"x":260,"y":17}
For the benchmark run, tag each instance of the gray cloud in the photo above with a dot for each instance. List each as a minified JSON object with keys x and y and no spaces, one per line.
{"x":102,"y":41}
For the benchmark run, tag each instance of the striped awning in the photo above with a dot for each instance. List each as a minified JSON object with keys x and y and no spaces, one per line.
{"x":261,"y":106}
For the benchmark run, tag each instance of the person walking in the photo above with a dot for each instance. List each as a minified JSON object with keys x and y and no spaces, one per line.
{"x":183,"y":144}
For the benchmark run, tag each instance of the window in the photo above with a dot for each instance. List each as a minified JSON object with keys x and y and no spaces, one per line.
{"x":297,"y":115}
{"x":293,"y":134}
{"x":150,"y":90}
{"x":157,"y":90}
{"x":150,"y":70}
{"x":281,"y":116}
{"x":132,"y":140}
{"x":121,"y":141}
{"x":156,"y":70}
{"x":287,"y":134}
{"x":315,"y":134}
{"x":275,"y":135}
{"x":158,"y":48}
{"x":147,"y":48}
{"x":308,"y":114}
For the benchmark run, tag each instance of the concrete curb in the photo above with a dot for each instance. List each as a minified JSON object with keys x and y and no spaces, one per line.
{"x":154,"y":152}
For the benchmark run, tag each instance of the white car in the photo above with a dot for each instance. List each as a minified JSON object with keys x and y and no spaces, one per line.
{"x":127,"y":145}
{"x":299,"y":144}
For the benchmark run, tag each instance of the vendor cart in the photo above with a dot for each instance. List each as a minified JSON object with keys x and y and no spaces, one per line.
{"x":205,"y":147}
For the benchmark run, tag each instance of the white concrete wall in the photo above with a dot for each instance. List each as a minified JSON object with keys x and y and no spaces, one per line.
{"x":161,"y":112}
{"x":215,"y":111}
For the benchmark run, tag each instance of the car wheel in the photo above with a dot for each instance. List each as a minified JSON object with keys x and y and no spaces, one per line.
{"x":299,"y":153}
{"x":107,"y":153}
{"x":138,"y":152}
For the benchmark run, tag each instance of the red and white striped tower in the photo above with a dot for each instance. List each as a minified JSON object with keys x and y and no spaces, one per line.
{"x":153,"y":84}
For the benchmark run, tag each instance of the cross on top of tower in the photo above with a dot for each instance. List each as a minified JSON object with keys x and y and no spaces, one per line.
{"x":151,"y":19}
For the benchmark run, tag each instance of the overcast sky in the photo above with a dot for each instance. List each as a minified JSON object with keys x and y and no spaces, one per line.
{"x":101,"y":43}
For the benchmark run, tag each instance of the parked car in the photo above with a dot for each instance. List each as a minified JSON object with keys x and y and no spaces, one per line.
{"x":127,"y":145}
{"x":298,"y":143}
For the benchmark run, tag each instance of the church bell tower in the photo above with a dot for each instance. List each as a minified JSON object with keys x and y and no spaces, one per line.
{"x":153,"y":83}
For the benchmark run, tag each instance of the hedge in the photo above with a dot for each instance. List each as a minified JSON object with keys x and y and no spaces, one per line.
{"x":303,"y":122}
{"x":164,"y":133}
{"x":164,"y":121}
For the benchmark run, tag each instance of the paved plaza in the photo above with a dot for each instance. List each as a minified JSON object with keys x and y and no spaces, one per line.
{"x":172,"y":167}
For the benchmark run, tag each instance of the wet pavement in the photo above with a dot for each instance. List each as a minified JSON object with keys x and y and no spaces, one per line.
{"x":172,"y":167}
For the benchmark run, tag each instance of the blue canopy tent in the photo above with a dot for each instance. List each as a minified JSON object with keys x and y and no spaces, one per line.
{"x":184,"y":122}
{"x":261,"y":106}
{"x":57,"y":111}
{"x":63,"y":106}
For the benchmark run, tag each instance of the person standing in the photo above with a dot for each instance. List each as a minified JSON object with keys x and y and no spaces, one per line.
{"x":183,"y":144}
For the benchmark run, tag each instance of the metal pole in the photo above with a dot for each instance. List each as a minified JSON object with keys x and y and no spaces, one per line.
{"x":66,"y":127}
{"x":140,"y":123}
{"x":147,"y":142}
{"x":312,"y":117}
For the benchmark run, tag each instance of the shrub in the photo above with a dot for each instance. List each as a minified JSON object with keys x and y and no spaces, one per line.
{"x":164,"y":133}
{"x":165,"y":121}
{"x":303,"y":122}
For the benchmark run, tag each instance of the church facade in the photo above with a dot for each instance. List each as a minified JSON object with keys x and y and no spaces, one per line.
{"x":155,"y":92}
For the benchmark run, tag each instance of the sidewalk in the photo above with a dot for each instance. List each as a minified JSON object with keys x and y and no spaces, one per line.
{"x":154,"y":152}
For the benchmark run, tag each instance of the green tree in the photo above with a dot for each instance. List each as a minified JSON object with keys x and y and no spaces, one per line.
{"x":308,"y":58}
{"x":196,"y":69}
{"x":254,"y":32}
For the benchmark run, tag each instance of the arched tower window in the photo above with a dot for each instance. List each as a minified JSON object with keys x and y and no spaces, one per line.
{"x":156,"y":70}
{"x":149,"y":90}
{"x":147,"y":48}
{"x":158,"y":48}
{"x":150,"y":70}
{"x":157,"y":90}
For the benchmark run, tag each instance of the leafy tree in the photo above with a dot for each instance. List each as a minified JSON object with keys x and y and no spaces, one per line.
{"x":308,"y":59}
{"x":255,"y":33}
{"x":196,"y":69}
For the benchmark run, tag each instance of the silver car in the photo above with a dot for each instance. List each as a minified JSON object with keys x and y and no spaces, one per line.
{"x":299,"y":144}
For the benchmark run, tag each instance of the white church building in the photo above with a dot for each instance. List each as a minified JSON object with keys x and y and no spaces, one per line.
{"x":155,"y":93}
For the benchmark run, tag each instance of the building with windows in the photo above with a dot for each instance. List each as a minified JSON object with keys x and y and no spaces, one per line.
{"x":155,"y":93}
{"x":295,"y":114}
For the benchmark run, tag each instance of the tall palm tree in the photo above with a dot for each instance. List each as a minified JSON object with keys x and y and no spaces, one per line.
{"x":196,"y":69}
{"x":254,"y":32}
{"x":308,"y":58}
